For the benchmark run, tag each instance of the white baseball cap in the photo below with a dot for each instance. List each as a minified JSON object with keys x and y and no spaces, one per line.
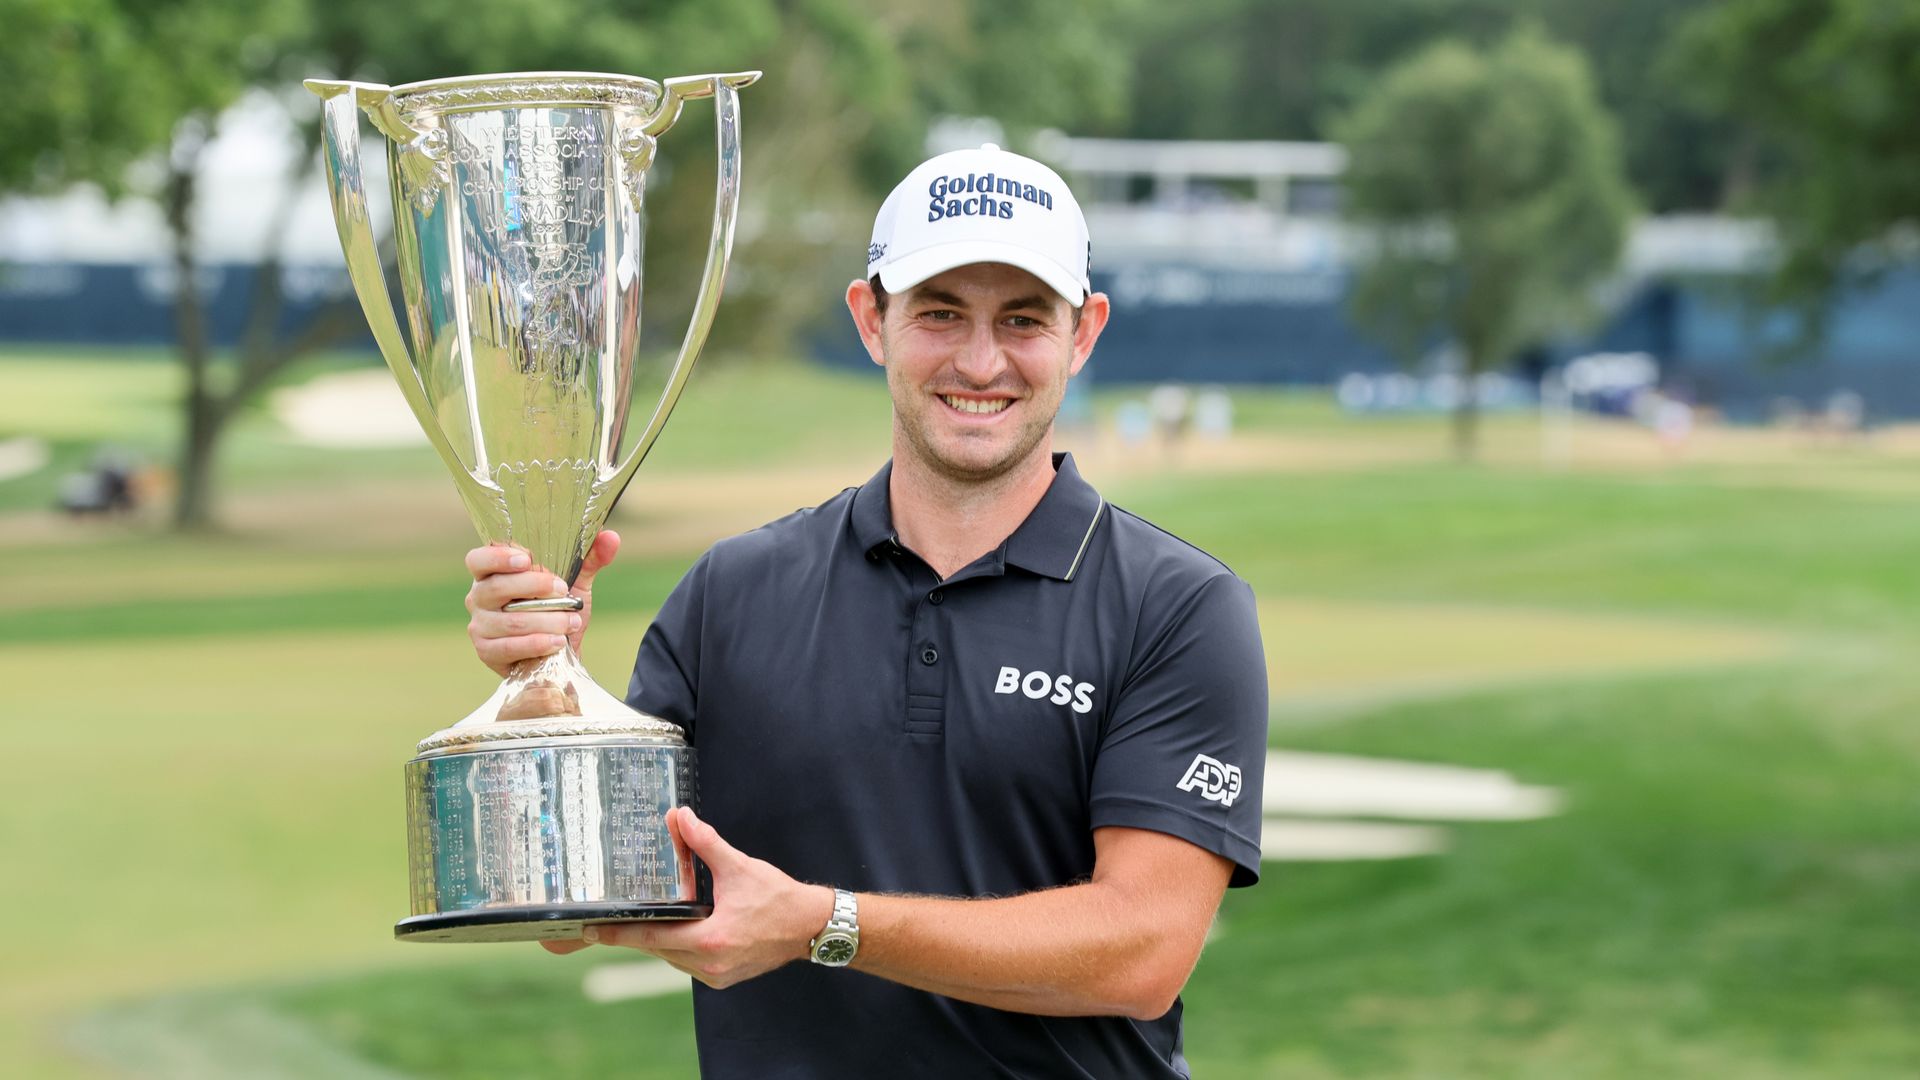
{"x":981,"y":206}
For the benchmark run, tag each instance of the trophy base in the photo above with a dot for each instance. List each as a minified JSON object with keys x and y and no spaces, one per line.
{"x":530,"y":830}
{"x":541,"y":922}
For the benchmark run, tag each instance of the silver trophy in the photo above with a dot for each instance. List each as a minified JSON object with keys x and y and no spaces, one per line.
{"x":517,"y":227}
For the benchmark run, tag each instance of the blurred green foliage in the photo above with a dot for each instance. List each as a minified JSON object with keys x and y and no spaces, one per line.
{"x":1239,"y":69}
{"x":1707,"y":116}
{"x":100,"y":84}
{"x":1827,"y":90}
{"x":1491,"y":187}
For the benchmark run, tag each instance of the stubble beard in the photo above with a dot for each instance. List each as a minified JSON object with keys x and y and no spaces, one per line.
{"x":914,"y":425}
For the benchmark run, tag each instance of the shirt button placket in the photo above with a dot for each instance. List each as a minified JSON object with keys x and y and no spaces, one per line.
{"x":926,"y":680}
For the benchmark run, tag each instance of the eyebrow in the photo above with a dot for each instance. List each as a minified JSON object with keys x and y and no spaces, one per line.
{"x":1027,"y":303}
{"x":936,"y":296}
{"x":1024,"y":303}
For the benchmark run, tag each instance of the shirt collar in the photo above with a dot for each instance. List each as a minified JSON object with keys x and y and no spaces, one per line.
{"x":1050,"y":542}
{"x":873,"y":511}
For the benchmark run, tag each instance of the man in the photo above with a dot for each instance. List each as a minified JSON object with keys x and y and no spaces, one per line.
{"x":993,"y":741}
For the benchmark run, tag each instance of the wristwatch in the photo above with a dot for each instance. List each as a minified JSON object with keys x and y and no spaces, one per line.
{"x":841,"y":938}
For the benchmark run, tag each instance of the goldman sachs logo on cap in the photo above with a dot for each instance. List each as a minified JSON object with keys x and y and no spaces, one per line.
{"x":973,"y":195}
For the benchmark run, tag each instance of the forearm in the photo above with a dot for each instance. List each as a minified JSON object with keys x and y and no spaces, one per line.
{"x":1121,"y":944}
{"x":1081,"y":950}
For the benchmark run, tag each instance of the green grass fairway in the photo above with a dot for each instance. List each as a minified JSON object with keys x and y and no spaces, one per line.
{"x":201,"y":824}
{"x":1731,"y":894}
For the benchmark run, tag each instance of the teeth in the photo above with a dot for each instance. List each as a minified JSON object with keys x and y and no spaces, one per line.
{"x":970,"y":405}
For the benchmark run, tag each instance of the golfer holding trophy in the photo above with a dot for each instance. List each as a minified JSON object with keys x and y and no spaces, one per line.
{"x":982,"y":751}
{"x":518,"y":228}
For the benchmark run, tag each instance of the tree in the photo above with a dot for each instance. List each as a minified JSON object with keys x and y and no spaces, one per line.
{"x":1241,"y":69}
{"x":1679,"y":154}
{"x":1827,"y":87}
{"x":81,"y":113}
{"x":1487,"y":192}
{"x":113,"y":82}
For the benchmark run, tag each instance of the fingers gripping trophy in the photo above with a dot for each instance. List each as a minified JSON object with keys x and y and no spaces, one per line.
{"x":517,"y":226}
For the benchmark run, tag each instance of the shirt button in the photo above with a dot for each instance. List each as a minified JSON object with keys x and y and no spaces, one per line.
{"x":936,"y":596}
{"x":929,"y":656}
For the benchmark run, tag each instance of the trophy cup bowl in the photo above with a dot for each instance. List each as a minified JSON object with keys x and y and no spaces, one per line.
{"x":518,"y":229}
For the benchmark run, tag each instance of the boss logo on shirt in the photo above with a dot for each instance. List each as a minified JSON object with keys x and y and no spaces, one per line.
{"x":1213,"y":779}
{"x":1039,"y":684}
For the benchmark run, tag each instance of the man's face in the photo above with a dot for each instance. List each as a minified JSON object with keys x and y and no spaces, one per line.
{"x":977,"y":360}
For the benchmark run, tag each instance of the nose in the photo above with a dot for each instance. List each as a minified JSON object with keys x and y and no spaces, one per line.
{"x":980,"y":360}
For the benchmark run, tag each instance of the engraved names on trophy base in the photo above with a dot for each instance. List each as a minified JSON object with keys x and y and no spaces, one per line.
{"x":516,"y":827}
{"x":639,"y":797}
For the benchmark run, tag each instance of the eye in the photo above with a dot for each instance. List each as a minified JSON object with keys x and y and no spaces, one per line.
{"x":940,"y":315}
{"x":1023,"y":322}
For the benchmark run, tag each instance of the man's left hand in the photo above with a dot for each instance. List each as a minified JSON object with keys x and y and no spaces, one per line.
{"x":761,"y":918}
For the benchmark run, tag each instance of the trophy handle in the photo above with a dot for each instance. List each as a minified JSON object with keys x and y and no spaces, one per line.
{"x":724,"y":89}
{"x":346,"y":185}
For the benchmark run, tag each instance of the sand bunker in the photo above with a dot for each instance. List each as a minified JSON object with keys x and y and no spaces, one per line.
{"x":348,"y":409}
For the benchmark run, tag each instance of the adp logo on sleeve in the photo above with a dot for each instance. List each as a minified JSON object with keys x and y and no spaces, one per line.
{"x":1213,"y":779}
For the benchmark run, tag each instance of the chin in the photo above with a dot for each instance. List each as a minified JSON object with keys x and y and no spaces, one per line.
{"x":973,"y":456}
{"x":973,"y":467}
{"x":979,"y":462}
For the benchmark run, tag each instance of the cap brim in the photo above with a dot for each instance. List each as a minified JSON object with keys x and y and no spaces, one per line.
{"x":913,"y":268}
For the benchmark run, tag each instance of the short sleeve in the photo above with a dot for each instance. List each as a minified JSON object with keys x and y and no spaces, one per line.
{"x":666,"y":673}
{"x":1184,"y":750}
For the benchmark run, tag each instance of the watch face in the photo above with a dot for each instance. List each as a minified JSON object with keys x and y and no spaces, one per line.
{"x":834,"y":950}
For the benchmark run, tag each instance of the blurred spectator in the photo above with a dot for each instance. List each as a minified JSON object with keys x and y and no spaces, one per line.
{"x":1846,"y":415}
{"x":1841,"y":419}
{"x":1135,"y":421}
{"x":1213,"y":414}
{"x":1076,"y":407}
{"x":1172,"y":406}
{"x":1673,"y":421}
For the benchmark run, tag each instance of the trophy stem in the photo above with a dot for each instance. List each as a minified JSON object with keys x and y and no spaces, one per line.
{"x":551,"y":697}
{"x":544,"y":687}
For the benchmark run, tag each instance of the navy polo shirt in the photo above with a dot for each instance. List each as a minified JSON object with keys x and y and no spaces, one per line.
{"x":864,"y":724}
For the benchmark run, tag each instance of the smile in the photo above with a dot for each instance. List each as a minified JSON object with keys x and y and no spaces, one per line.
{"x":976,"y":405}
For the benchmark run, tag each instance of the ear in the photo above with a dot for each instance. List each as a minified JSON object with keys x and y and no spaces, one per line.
{"x":867,"y":318}
{"x":1093,"y":319}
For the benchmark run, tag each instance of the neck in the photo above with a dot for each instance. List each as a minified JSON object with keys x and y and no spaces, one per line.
{"x":950,"y":522}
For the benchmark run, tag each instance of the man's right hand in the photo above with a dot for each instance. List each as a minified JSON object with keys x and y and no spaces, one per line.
{"x":503,"y":574}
